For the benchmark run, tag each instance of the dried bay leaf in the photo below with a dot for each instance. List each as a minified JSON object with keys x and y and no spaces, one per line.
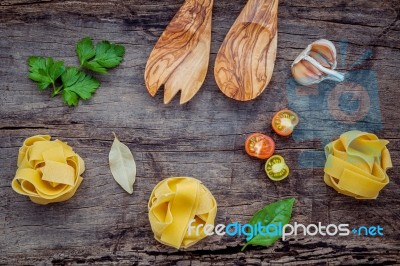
{"x":122,"y":165}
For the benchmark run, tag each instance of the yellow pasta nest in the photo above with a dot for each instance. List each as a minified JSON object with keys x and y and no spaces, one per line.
{"x":48,"y":171}
{"x":174,"y":203}
{"x":356,"y":164}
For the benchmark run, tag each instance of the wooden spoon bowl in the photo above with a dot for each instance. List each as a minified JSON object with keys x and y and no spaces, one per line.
{"x":245,"y":61}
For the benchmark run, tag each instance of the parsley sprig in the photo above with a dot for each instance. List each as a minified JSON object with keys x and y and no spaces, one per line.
{"x":72,"y":82}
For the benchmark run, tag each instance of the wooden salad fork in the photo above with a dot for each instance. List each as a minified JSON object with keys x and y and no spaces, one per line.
{"x":245,"y":61}
{"x":179,"y":60}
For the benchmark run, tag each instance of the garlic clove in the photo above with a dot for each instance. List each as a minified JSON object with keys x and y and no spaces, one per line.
{"x":325,"y":62}
{"x":304,"y":75}
{"x":316,"y":63}
{"x":312,"y":68}
{"x":326,"y":49}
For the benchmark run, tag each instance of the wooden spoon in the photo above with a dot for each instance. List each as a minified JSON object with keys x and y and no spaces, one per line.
{"x":179,"y":60}
{"x":245,"y":61}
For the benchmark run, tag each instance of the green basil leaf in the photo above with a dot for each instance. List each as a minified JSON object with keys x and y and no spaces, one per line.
{"x":274,"y":215}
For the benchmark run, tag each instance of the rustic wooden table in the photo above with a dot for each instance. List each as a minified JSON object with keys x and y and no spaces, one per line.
{"x":102,"y":224}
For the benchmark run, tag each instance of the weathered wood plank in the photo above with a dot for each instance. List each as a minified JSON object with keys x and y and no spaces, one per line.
{"x":102,"y":224}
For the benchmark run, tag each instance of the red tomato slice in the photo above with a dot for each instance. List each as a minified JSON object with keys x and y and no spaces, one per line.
{"x":259,"y":146}
{"x":284,"y":122}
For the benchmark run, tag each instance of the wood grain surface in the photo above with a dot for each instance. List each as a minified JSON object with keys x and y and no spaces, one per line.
{"x":179,"y":60}
{"x":246,"y":59}
{"x":102,"y":224}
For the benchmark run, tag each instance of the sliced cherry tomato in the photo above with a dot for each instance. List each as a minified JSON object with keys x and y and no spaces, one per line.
{"x":276,"y":168}
{"x":284,"y":122}
{"x":259,"y":146}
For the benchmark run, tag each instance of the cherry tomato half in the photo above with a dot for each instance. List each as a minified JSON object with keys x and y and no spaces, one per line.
{"x":284,"y":122}
{"x":259,"y":146}
{"x":276,"y":168}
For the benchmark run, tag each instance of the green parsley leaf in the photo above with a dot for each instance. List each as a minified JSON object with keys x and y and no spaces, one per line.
{"x":45,"y":71}
{"x":72,"y":82}
{"x":108,"y":55}
{"x":77,"y":85}
{"x":85,"y":50}
{"x":70,"y":98}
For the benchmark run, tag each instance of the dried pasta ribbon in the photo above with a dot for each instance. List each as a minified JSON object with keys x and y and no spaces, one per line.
{"x":173,"y":204}
{"x":48,"y":171}
{"x":356,"y":164}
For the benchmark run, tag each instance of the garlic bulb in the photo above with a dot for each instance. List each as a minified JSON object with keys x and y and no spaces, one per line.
{"x":316,"y":63}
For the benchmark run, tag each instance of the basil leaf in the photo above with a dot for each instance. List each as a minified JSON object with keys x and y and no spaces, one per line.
{"x":274,"y":215}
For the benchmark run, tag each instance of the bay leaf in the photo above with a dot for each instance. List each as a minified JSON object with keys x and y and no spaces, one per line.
{"x":122,"y":165}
